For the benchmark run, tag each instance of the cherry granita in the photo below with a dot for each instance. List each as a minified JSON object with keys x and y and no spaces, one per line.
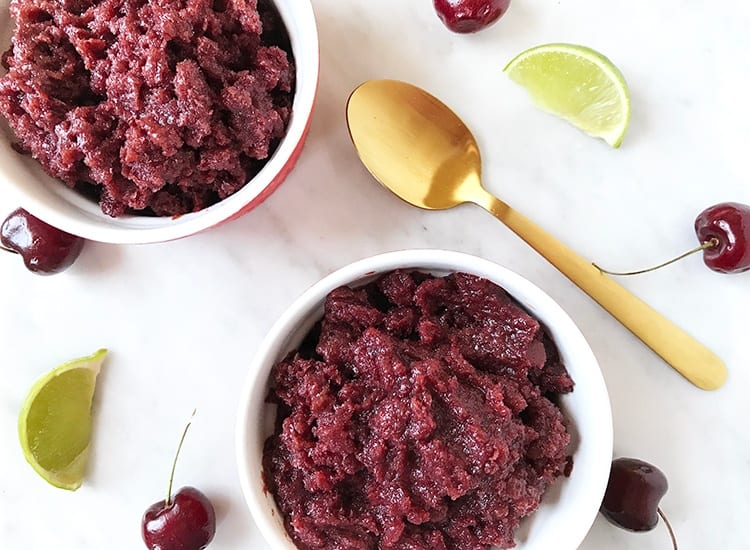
{"x":159,"y":107}
{"x":420,"y":413}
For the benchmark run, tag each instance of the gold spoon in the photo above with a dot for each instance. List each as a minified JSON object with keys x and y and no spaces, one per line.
{"x":418,"y":148}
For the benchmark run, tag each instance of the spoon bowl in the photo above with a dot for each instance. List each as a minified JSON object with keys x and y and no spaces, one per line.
{"x":417,"y":147}
{"x":443,"y":171}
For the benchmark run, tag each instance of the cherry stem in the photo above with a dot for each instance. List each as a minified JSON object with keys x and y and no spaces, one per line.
{"x":663,"y":516}
{"x":168,"y":500}
{"x":711,"y":243}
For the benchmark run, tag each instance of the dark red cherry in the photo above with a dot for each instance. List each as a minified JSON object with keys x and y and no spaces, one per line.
{"x":45,"y":249}
{"x":187,"y":522}
{"x":632,"y":497}
{"x":724,"y":234}
{"x":727,"y":224}
{"x":467,"y":16}
{"x":634,"y":490}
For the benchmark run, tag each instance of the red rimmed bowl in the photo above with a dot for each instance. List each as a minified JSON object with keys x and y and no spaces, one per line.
{"x":23,"y":181}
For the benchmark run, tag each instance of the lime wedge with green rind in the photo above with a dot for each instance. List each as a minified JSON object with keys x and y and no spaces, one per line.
{"x":577,"y":84}
{"x":55,"y":423}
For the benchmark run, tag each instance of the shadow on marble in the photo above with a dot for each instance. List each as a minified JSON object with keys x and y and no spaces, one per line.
{"x":98,"y":258}
{"x":98,"y":423}
{"x":639,"y":120}
{"x":222,"y":506}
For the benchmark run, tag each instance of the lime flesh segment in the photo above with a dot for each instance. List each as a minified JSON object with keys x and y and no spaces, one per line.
{"x":55,"y":423}
{"x":577,"y":84}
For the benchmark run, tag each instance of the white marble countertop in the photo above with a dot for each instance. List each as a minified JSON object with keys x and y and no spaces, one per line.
{"x":183,"y":319}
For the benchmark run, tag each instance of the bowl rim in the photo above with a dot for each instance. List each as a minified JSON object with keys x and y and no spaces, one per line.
{"x":88,"y":222}
{"x":572,"y":527}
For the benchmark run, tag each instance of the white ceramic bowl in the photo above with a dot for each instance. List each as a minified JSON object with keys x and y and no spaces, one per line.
{"x":569,"y":507}
{"x":52,"y":201}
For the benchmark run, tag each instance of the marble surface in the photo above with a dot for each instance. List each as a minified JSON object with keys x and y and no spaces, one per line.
{"x":183,"y":319}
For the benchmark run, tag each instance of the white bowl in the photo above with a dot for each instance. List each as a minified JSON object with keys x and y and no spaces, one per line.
{"x":571,"y":504}
{"x":62,"y":207}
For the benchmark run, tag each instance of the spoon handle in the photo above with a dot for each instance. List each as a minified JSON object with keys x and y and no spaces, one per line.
{"x":680,"y":350}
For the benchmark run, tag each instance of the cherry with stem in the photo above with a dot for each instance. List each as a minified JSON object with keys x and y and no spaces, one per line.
{"x":631,"y":500}
{"x":186,"y":521}
{"x":723,"y":231}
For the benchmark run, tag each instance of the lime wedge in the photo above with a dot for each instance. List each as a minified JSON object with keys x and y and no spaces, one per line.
{"x":55,"y":421}
{"x":577,"y":84}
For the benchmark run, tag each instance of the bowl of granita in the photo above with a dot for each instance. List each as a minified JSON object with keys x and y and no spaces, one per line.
{"x":147,"y":121}
{"x":424,"y":399}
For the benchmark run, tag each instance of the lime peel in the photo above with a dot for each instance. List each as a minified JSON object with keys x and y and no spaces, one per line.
{"x":55,"y":424}
{"x":577,"y":84}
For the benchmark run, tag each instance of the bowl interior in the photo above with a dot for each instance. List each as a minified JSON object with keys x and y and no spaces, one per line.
{"x":569,"y":506}
{"x":52,"y":201}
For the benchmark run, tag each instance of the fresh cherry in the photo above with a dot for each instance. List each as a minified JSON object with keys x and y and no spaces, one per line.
{"x":729,"y":224}
{"x":467,"y":16}
{"x":186,"y":521}
{"x":45,"y":249}
{"x":724,"y":233}
{"x":631,"y":500}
